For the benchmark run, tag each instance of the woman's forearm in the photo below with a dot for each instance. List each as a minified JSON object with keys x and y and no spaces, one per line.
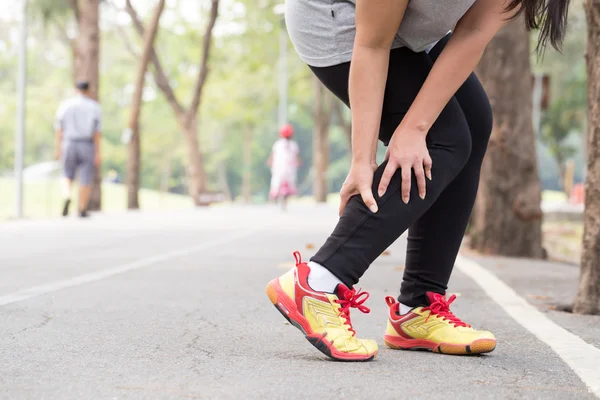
{"x":368,"y":75}
{"x":456,"y":62}
{"x":454,"y":65}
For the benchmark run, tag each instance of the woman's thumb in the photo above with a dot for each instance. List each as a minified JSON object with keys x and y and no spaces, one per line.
{"x":369,"y":200}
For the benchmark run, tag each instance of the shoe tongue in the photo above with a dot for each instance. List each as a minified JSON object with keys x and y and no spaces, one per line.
{"x":431,"y":297}
{"x":342,"y":291}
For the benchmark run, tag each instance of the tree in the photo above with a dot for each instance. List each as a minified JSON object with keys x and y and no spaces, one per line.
{"x":564,"y":118}
{"x":133,"y":160}
{"x":247,"y":173}
{"x":86,"y":53}
{"x":344,"y":122}
{"x":322,"y":110}
{"x":508,"y":215}
{"x":87,"y":65}
{"x":588,"y":296}
{"x":187,"y":118}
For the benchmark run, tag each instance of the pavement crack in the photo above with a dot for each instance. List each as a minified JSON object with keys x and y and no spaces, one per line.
{"x":208,"y":322}
{"x":44,"y":322}
{"x":193,"y":345}
{"x":524,"y":376}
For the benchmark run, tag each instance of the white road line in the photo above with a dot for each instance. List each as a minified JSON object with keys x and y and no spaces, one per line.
{"x":109,"y":272}
{"x":581,"y":357}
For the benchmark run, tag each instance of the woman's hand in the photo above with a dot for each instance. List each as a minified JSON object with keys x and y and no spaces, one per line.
{"x":359,"y":181}
{"x":408,"y":151}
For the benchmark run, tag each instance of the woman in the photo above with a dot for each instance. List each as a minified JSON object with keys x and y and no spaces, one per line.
{"x":284,"y":162}
{"x":411,"y":85}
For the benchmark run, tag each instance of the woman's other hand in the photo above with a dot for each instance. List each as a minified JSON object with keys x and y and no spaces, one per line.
{"x":407,"y":151}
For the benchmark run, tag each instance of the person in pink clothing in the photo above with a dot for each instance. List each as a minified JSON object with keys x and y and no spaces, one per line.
{"x":284,"y":162}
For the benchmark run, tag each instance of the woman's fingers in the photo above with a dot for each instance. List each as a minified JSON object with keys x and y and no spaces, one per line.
{"x":420,"y":175}
{"x":427,"y":164}
{"x":388,"y":173}
{"x":365,"y":194}
{"x":406,"y":170}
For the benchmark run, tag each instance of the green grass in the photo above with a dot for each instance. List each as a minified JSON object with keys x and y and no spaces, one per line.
{"x":43,"y":199}
{"x":554,"y":196}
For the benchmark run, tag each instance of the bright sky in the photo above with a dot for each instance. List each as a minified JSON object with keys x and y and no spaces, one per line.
{"x":11,"y":9}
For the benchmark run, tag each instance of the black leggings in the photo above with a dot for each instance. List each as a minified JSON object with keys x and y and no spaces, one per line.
{"x":457,"y":142}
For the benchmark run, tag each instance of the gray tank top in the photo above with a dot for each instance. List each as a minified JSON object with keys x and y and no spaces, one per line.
{"x":322,"y":31}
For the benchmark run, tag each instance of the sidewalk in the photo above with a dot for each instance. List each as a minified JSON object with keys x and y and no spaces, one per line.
{"x":549,"y":286}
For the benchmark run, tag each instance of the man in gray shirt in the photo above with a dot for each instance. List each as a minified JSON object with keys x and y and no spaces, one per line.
{"x":78,"y":126}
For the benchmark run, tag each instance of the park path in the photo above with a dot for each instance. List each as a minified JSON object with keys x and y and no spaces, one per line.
{"x":172,"y":306}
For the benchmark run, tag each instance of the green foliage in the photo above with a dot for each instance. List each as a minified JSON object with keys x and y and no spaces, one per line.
{"x":50,"y":9}
{"x":563,"y":123}
{"x":240,"y":96}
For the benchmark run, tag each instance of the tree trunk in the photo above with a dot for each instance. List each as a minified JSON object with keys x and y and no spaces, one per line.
{"x":166,"y":175}
{"x":588,"y":296}
{"x":508,"y":211}
{"x":342,"y":121}
{"x":195,"y":167}
{"x":187,"y":118}
{"x":568,"y":176}
{"x":87,"y":64}
{"x":132,"y":179}
{"x":133,"y":157}
{"x":247,"y":173}
{"x":222,"y":170}
{"x":321,"y":116}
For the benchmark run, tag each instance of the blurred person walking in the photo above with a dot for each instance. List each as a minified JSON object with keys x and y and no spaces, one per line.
{"x":78,"y":127}
{"x":284,"y":162}
{"x":410,"y":84}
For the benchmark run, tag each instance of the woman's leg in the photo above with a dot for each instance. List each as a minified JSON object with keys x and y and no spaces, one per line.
{"x":361,"y":236}
{"x":435,"y":238}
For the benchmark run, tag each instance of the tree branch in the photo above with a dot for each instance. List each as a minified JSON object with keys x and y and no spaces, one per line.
{"x":75,"y":6}
{"x":128,"y":44}
{"x":207,"y":40}
{"x":346,"y":125}
{"x":149,"y":37}
{"x":160,"y":78}
{"x":63,"y":32}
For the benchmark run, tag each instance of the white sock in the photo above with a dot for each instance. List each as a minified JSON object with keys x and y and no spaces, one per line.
{"x":404,"y":309}
{"x":320,"y":279}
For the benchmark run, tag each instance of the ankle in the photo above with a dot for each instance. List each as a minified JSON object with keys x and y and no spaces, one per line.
{"x":404,"y":309}
{"x":320,"y":279}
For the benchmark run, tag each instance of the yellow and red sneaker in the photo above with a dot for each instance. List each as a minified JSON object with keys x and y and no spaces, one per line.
{"x":323,"y":318}
{"x":434,"y":328}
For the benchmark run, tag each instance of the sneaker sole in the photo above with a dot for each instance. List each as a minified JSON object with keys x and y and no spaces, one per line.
{"x":65,"y":211}
{"x":478,"y":346}
{"x":287,"y":307}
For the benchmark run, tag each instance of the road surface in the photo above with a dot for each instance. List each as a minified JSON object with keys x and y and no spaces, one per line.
{"x":172,"y":306}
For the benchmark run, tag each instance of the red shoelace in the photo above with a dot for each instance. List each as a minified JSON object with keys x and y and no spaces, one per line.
{"x":352,"y":299}
{"x":441,"y":309}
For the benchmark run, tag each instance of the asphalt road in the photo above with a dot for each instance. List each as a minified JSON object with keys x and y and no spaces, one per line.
{"x":172,"y":306}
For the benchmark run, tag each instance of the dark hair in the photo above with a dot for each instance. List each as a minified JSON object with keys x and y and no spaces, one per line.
{"x":83,"y":85}
{"x":549,"y":16}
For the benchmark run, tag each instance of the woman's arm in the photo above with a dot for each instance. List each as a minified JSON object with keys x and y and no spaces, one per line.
{"x":456,"y":62}
{"x":454,"y":65}
{"x":377,"y":22}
